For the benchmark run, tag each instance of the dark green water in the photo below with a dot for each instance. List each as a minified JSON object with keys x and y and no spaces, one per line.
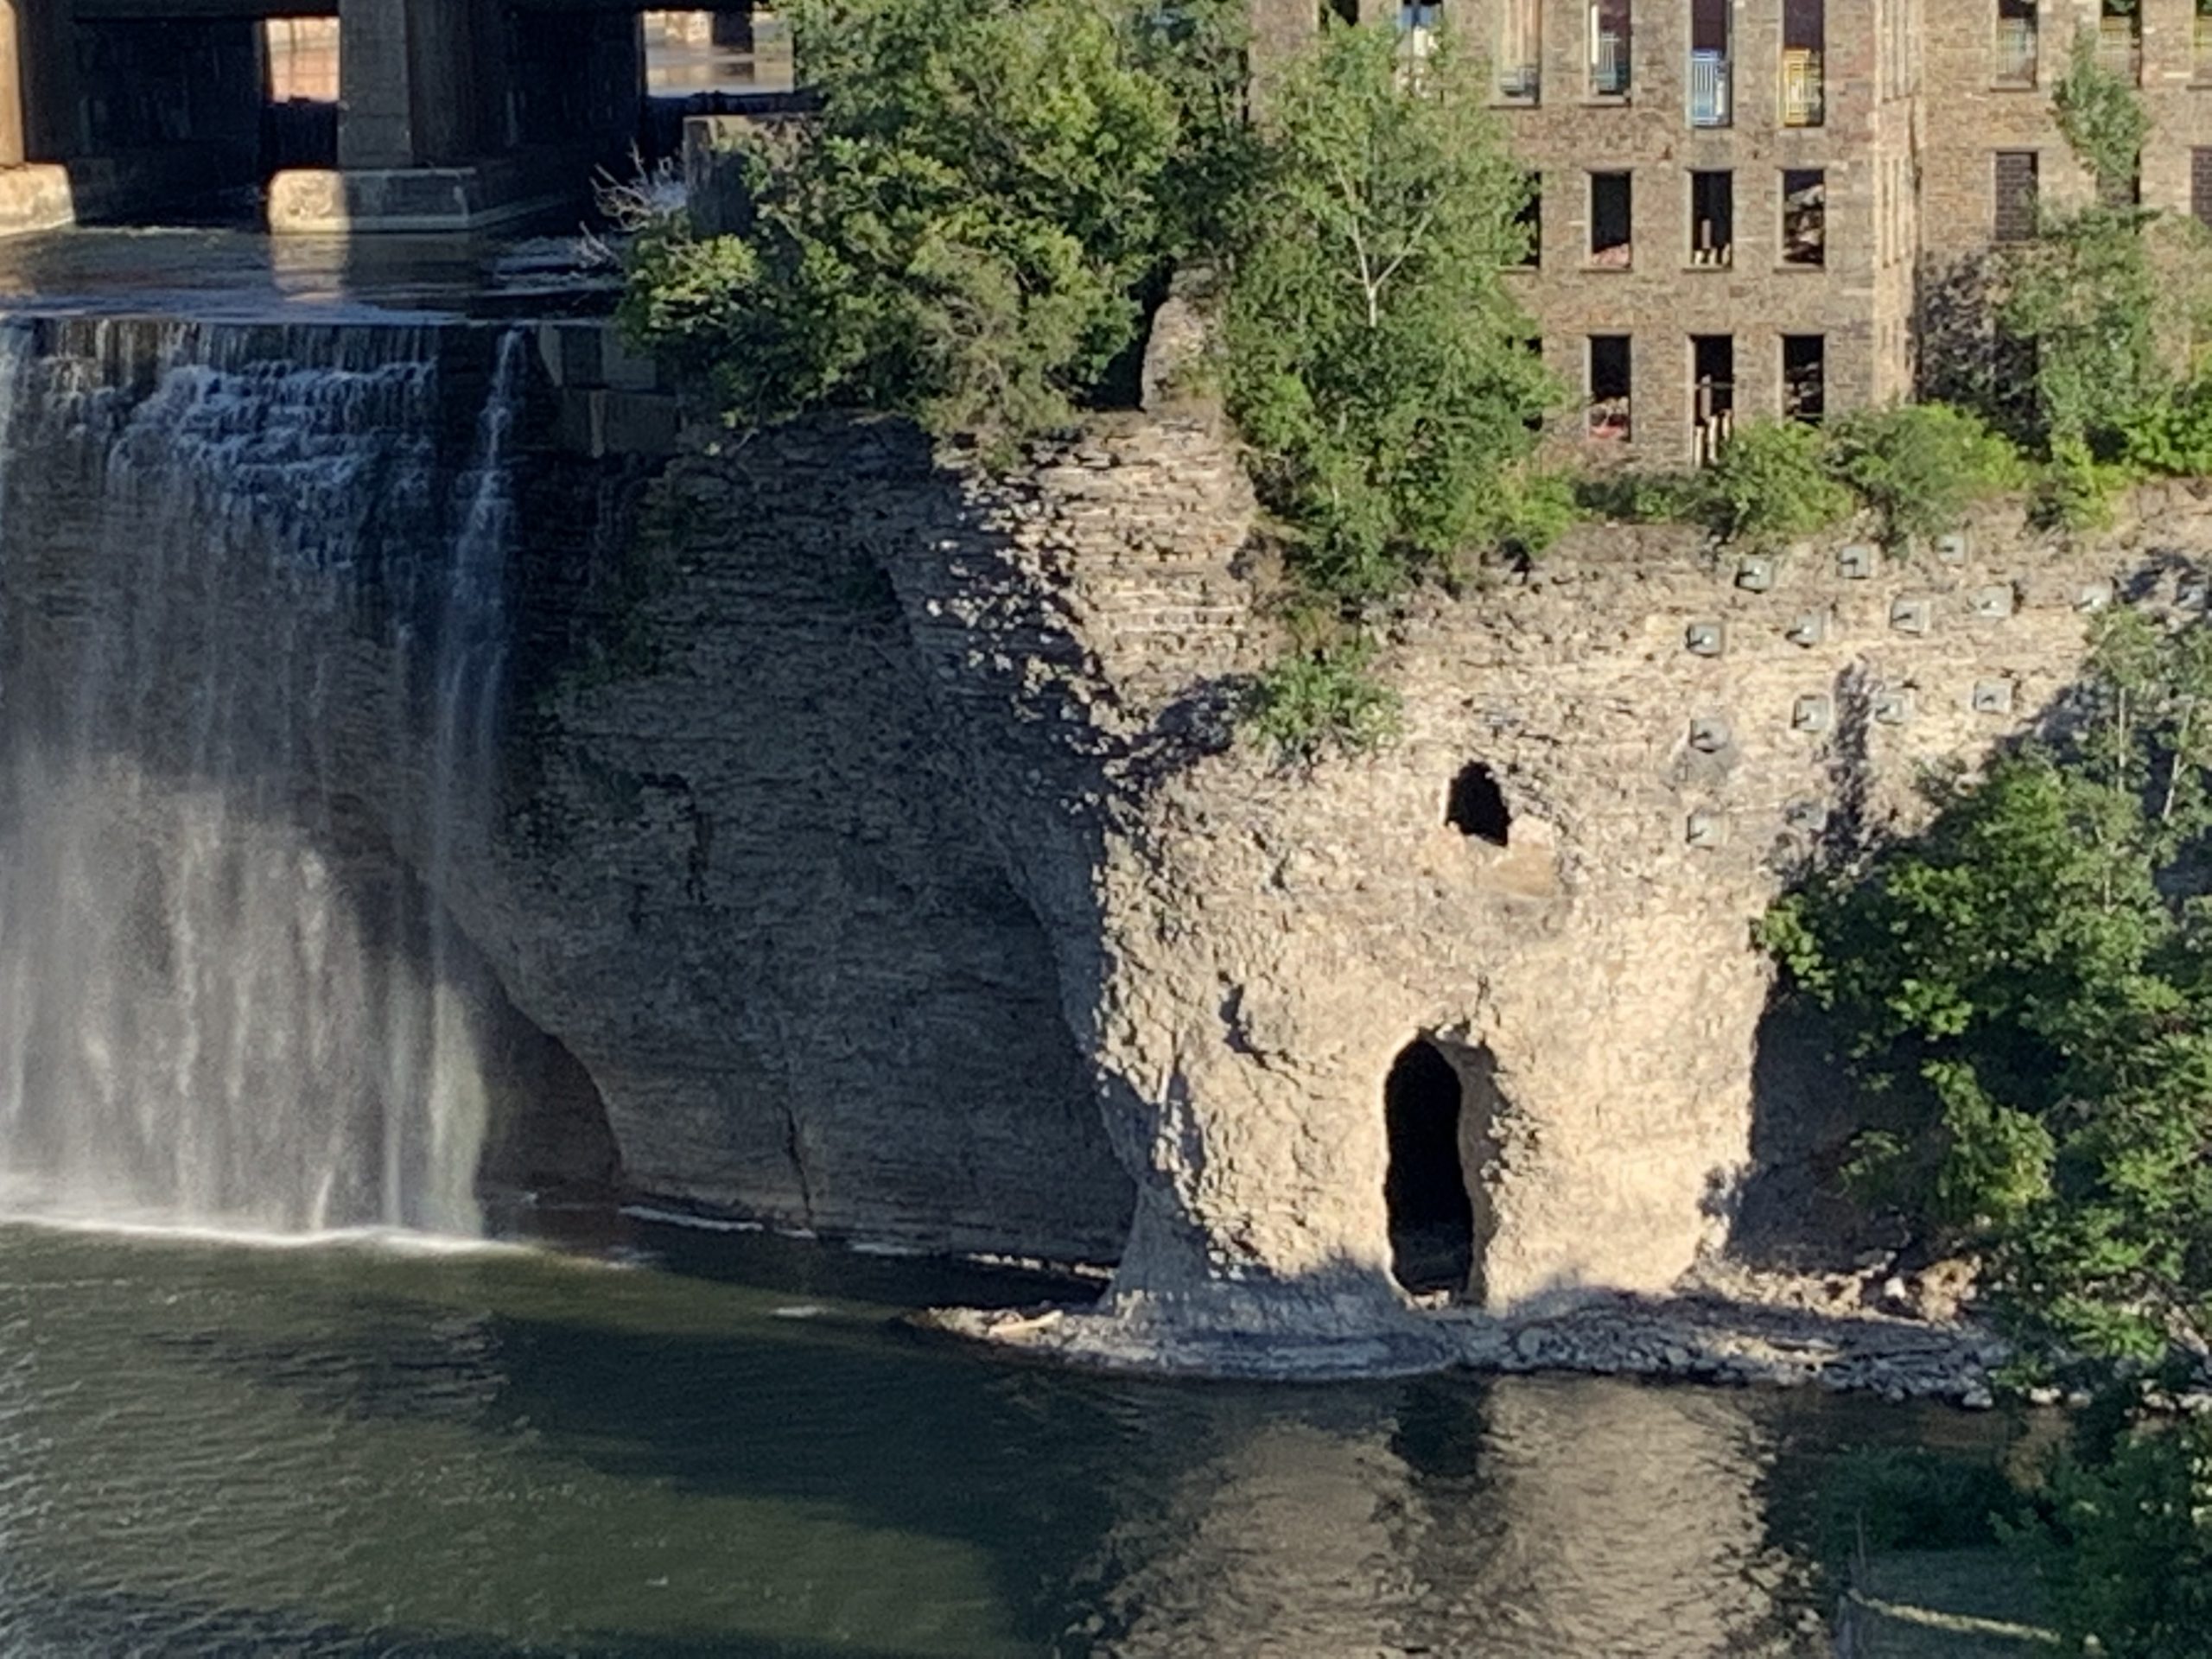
{"x":728,"y":1447}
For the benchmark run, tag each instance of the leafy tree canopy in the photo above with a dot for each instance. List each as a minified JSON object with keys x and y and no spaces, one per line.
{"x":2028,"y":988}
{"x":1376,"y":361}
{"x":964,"y":232}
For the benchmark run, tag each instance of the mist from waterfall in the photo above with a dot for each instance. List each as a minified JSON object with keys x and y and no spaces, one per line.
{"x":227,"y":998}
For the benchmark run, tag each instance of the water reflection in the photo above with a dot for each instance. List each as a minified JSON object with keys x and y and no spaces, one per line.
{"x":332,"y":1452}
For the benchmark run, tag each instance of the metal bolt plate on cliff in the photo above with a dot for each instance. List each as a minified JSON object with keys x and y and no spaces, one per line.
{"x":1912,"y":615}
{"x":1705,"y":639}
{"x":1856,"y":562}
{"x":1810,"y":815}
{"x":1755,"y":575}
{"x":2093,"y":596}
{"x":1892,"y":708}
{"x":1705,"y":828}
{"x":1994,"y":602}
{"x":1708,"y":733}
{"x":1810,"y":629}
{"x":1993,"y":697}
{"x":1951,"y":547}
{"x":1812,"y":714}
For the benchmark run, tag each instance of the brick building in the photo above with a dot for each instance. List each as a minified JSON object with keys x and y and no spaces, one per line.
{"x":1745,"y":204}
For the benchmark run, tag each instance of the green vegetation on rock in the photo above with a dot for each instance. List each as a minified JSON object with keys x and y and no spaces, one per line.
{"x":965,"y":233}
{"x":1377,"y":363}
{"x":2025,"y":990}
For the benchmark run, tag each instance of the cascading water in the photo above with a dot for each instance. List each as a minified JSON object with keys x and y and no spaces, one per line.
{"x":224,"y":999}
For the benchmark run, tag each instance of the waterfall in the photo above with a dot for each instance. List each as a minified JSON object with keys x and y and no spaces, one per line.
{"x":252,"y":635}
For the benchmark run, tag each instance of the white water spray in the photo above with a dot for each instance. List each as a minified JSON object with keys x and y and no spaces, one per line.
{"x":224,"y":1001}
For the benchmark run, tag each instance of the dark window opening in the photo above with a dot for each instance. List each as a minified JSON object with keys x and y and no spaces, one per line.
{"x":1804,"y":216}
{"x":1432,"y":1219}
{"x":1712,"y":395}
{"x":1711,"y":88}
{"x":1612,"y":220}
{"x":2200,"y":185}
{"x":1610,"y":30}
{"x":1344,"y":11}
{"x":2016,"y":193}
{"x":2014,"y":56}
{"x":1476,"y":806}
{"x":1611,"y":388}
{"x":1712,"y":219}
{"x":2119,"y":39}
{"x":1804,"y":377}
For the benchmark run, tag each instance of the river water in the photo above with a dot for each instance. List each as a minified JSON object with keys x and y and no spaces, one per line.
{"x":695,"y":1445}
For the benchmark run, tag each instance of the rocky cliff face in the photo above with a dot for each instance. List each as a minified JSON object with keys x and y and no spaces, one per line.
{"x":1611,"y":765}
{"x":1244,"y":952}
{"x":874,"y":855}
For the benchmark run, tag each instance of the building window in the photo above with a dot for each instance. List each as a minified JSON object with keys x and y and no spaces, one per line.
{"x":1710,"y":88}
{"x":1612,"y":220}
{"x":1611,"y":389}
{"x":1519,"y":50}
{"x":1530,"y":223}
{"x":2013,"y":62}
{"x":1610,"y":34}
{"x":1804,"y":378}
{"x":1712,"y":219}
{"x":2200,"y":185}
{"x":2015,"y":195}
{"x":2119,"y":39}
{"x":1712,"y":395}
{"x":1804,"y":216}
{"x":1804,"y":47}
{"x":1417,"y":27}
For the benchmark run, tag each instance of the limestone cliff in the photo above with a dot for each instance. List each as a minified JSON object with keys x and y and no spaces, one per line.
{"x":1242,"y":951}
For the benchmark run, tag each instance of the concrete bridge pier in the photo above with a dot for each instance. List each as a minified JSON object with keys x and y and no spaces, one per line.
{"x":456,"y":115}
{"x":41,"y":119}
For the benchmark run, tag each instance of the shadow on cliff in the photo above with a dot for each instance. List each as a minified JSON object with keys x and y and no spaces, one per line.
{"x":1790,"y":1211}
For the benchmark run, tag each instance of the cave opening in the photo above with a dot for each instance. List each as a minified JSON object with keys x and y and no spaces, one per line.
{"x":1477,"y":808}
{"x":1432,"y":1217}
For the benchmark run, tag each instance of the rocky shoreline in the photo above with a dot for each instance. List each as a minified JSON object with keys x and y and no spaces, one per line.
{"x":1736,"y":1328}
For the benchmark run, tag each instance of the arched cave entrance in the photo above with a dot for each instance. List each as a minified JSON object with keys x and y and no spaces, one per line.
{"x":1475,"y":807}
{"x":1431,"y":1218}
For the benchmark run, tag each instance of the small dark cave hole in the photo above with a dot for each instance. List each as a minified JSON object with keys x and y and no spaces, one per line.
{"x":1476,"y":806}
{"x":1432,"y":1219}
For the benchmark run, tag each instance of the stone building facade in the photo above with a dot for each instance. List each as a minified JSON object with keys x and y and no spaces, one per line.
{"x":1747,"y":206}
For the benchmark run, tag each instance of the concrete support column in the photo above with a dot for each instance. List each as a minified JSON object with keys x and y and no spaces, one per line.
{"x":419,"y":82}
{"x":39,"y":117}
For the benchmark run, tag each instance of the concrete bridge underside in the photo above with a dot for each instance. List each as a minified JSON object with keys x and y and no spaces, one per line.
{"x":452,"y":115}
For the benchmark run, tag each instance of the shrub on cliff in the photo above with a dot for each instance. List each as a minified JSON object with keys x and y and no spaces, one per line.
{"x":1377,"y":363}
{"x":1920,"y":465}
{"x":2028,"y":988}
{"x":1320,"y":696}
{"x":963,"y":233}
{"x":1772,"y":483}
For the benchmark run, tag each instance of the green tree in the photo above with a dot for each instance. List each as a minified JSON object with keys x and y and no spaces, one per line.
{"x":1377,"y":363}
{"x":1772,"y":483}
{"x":963,"y":233}
{"x":2028,"y":990}
{"x":1921,"y":465}
{"x":2110,"y":301}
